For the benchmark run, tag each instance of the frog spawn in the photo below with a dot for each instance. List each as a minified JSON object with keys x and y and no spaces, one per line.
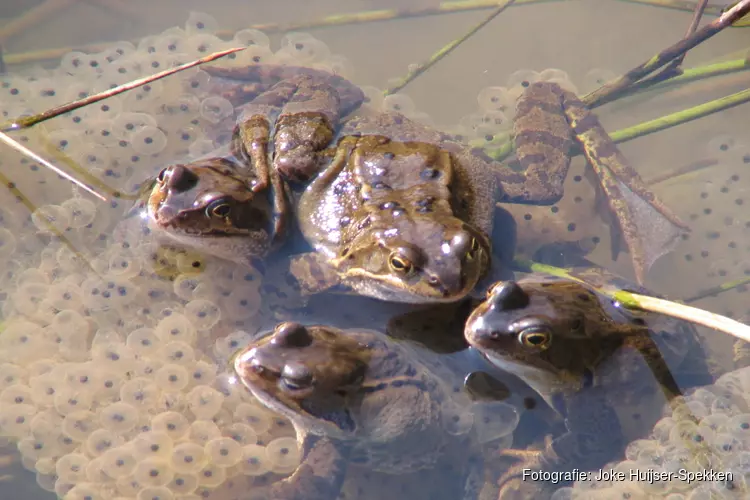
{"x":112,"y":355}
{"x":162,"y":121}
{"x":720,"y":239}
{"x":717,"y":417}
{"x":122,"y":138}
{"x":100,"y":408}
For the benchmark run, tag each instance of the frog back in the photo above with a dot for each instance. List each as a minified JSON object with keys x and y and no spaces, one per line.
{"x":400,"y":412}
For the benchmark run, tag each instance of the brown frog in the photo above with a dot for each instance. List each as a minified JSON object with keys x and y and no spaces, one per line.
{"x":354,"y":397}
{"x":210,"y":204}
{"x":604,"y":369}
{"x":401,"y":212}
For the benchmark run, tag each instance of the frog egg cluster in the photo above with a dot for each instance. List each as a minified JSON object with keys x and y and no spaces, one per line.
{"x":112,"y":379}
{"x":119,"y":139}
{"x":709,"y":429}
{"x":114,"y":350}
{"x":719,"y":242}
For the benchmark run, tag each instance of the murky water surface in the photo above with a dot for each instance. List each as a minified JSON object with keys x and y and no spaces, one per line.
{"x":114,"y":349}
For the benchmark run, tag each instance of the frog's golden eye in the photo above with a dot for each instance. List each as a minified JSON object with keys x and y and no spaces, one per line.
{"x":219,"y":209}
{"x":493,"y":288}
{"x":162,"y":176}
{"x":537,"y":337}
{"x":400,"y":264}
{"x":474,"y":245}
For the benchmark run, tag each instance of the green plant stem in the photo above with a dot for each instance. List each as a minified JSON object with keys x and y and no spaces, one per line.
{"x":444,"y":51}
{"x":701,"y":72}
{"x":324,"y":22}
{"x":716,"y":290}
{"x":25,"y":201}
{"x":681,"y":117}
{"x":17,"y":146}
{"x":640,"y":302}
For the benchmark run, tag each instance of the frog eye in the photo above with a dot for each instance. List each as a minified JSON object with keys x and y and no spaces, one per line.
{"x":536,"y":337}
{"x":400,"y":264}
{"x":162,"y":176}
{"x":493,"y":288}
{"x":219,"y":209}
{"x":474,"y":245}
{"x":296,"y":376}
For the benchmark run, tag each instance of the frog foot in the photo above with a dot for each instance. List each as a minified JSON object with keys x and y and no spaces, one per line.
{"x":649,"y":229}
{"x":514,"y":482}
{"x":312,"y":273}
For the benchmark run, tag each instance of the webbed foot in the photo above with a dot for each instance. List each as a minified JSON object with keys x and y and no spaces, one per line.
{"x":543,"y":145}
{"x":312,"y":273}
{"x":516,"y":483}
{"x":637,"y":217}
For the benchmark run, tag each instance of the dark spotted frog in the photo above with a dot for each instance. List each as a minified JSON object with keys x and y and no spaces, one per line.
{"x":398,"y":211}
{"x":356,"y":397}
{"x":607,"y":371}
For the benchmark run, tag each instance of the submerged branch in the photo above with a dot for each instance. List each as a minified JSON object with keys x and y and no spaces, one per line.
{"x":612,"y":90}
{"x":674,"y":68}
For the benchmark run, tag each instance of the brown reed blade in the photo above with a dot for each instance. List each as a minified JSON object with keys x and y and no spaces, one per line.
{"x":30,"y":121}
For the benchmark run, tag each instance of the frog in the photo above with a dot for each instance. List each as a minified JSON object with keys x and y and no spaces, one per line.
{"x":209,"y":204}
{"x":604,"y":369}
{"x":354,"y":397}
{"x":401,"y":212}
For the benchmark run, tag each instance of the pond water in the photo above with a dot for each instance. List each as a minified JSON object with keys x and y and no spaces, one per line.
{"x":114,"y":350}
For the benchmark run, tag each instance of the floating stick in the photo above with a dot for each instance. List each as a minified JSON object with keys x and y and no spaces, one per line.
{"x":29,"y":121}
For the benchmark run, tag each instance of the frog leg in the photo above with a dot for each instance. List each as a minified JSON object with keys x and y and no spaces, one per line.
{"x":303,"y":110}
{"x":594,"y":436}
{"x":313,"y":273}
{"x":242,"y":85}
{"x":320,"y":473}
{"x":543,"y":145}
{"x":302,"y":106}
